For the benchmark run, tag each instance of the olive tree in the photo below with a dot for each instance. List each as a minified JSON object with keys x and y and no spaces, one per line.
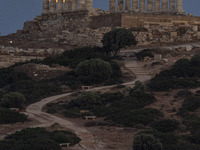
{"x":117,"y":39}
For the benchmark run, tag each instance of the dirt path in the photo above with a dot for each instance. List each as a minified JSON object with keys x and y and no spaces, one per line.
{"x":88,"y":141}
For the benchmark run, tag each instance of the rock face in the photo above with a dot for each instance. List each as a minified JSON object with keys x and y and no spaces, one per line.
{"x":86,"y":28}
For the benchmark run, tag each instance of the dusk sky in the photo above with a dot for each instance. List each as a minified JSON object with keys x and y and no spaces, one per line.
{"x":13,"y":13}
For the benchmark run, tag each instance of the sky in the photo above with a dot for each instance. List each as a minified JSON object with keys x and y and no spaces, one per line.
{"x":13,"y":13}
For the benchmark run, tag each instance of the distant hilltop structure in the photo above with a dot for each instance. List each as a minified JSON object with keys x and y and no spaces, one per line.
{"x":75,"y":23}
{"x":141,"y":6}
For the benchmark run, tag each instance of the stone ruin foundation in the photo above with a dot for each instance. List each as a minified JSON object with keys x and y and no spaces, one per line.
{"x":78,"y":24}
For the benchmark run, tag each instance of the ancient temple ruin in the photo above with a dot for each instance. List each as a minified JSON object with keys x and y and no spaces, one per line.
{"x":53,"y":6}
{"x":75,"y":23}
{"x":138,"y":6}
{"x":147,"y":6}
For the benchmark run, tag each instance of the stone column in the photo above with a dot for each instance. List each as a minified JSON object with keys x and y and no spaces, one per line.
{"x":128,"y":6}
{"x":74,"y":5}
{"x":60,"y":5}
{"x":172,"y":5}
{"x":179,"y":6}
{"x":45,"y":6}
{"x":112,"y":5}
{"x":142,"y":6}
{"x":164,"y":5}
{"x":121,"y":5}
{"x":68,"y":5}
{"x":156,"y":6}
{"x":89,"y":4}
{"x":53,"y":6}
{"x":150,"y":6}
{"x":82,"y":4}
{"x":135,"y":5}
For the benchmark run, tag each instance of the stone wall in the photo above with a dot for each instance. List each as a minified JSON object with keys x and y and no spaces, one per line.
{"x":86,"y":28}
{"x":165,"y":28}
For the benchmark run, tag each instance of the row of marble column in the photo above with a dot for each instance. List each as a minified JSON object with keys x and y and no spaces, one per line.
{"x":148,"y":6}
{"x":68,"y":5}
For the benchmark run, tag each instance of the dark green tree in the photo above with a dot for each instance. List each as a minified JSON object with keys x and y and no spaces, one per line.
{"x":13,"y":100}
{"x":138,"y":90}
{"x":93,"y":71}
{"x":117,"y":39}
{"x":146,"y":142}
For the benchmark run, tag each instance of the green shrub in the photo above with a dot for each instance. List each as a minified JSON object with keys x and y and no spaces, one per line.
{"x":192,"y":122}
{"x":184,"y":93}
{"x":93,"y":71}
{"x":145,"y":53}
{"x":195,"y":138}
{"x":138,"y":90}
{"x":133,"y":117}
{"x":10,"y":76}
{"x":72,"y":113}
{"x":165,"y":125}
{"x":146,"y":142}
{"x":87,"y":100}
{"x":51,"y":110}
{"x":116,"y":71}
{"x":73,"y":57}
{"x":90,"y":124}
{"x":9,"y":117}
{"x":165,"y":138}
{"x":37,"y":139}
{"x":182,"y":146}
{"x":13,"y":100}
{"x":183,"y":74}
{"x":111,"y":97}
{"x":190,"y":105}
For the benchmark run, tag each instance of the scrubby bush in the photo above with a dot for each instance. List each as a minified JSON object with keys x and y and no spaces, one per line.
{"x":86,"y":101}
{"x":184,"y":93}
{"x":146,"y":142}
{"x":93,"y":71}
{"x":165,"y":125}
{"x":35,"y":90}
{"x":183,"y":74}
{"x":190,"y":105}
{"x":133,"y":117}
{"x":145,"y":53}
{"x":13,"y":100}
{"x":138,"y":90}
{"x":90,"y":124}
{"x":10,"y":76}
{"x":192,"y":122}
{"x":8,"y":116}
{"x":72,"y":113}
{"x":117,"y":39}
{"x":73,"y":57}
{"x":37,"y":139}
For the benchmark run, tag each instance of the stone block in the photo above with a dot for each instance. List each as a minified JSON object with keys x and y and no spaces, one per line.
{"x":198,"y":34}
{"x":188,"y":48}
{"x":157,"y":56}
{"x":173,"y":34}
{"x":195,"y":28}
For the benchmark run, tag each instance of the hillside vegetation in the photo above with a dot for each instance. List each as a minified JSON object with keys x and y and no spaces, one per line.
{"x":38,"y":139}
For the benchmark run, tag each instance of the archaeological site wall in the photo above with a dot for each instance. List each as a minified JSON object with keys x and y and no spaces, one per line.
{"x":86,"y":28}
{"x":162,"y":28}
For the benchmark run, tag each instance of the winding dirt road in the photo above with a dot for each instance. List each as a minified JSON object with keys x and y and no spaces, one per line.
{"x":88,"y":141}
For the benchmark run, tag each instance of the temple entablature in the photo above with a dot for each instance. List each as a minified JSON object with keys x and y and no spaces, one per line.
{"x":137,"y":6}
{"x":58,"y":6}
